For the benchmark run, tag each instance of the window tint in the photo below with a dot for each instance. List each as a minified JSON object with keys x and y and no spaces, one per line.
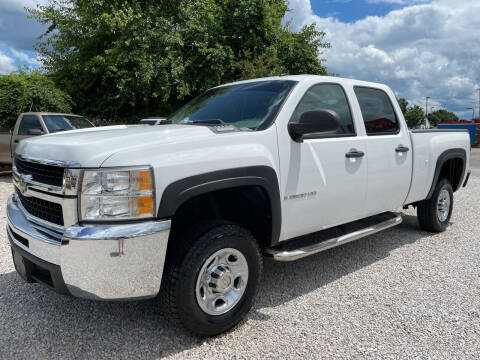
{"x":29,"y":122}
{"x":328,"y":97}
{"x":56,"y":123}
{"x":377,"y":111}
{"x":251,"y":105}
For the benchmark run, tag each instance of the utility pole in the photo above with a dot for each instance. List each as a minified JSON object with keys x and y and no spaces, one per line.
{"x":478,"y":103}
{"x":426,"y":110}
{"x":473,"y":112}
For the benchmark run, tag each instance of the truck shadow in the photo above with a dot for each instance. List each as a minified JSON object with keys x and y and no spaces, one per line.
{"x":284,"y":282}
{"x":40,"y":323}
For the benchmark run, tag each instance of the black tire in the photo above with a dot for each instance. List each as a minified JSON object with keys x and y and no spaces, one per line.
{"x":184,"y":263}
{"x":427,"y":215}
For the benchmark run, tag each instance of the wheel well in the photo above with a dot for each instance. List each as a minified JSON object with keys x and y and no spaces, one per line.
{"x":247,"y":206}
{"x":452,"y":170}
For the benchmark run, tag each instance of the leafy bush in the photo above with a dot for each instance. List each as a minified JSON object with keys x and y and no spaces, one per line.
{"x":24,"y":91}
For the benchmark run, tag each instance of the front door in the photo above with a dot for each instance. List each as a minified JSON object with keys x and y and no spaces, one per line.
{"x":326,"y":178}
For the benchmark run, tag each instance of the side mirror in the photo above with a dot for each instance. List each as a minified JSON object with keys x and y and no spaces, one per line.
{"x":35,"y":132}
{"x":314,"y":122}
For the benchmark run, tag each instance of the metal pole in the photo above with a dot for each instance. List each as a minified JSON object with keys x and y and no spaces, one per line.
{"x":478,"y":102}
{"x":426,"y":110}
{"x":473,"y":111}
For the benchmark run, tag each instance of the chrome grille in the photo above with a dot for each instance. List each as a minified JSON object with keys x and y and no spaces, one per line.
{"x":42,"y":173}
{"x":42,"y":209}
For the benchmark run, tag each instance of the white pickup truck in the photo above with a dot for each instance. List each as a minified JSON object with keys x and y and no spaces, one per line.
{"x":284,"y":167}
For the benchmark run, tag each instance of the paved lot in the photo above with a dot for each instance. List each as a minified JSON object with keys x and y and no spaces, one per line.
{"x":403,"y":293}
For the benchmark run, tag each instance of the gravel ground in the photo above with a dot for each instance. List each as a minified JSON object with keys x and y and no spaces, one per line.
{"x":475,"y":161}
{"x":402,"y":293}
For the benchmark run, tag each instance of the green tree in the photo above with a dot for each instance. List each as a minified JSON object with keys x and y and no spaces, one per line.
{"x":131,"y":58}
{"x":403,"y":105}
{"x":299,"y":51}
{"x":23,"y":91}
{"x":441,"y":115}
{"x":414,"y":116}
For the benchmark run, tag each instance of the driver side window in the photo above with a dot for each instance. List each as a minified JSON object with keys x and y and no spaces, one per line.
{"x":29,"y":122}
{"x":327,"y":97}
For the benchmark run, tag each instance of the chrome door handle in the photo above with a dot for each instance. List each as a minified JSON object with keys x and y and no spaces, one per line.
{"x":401,"y":149}
{"x":354,"y":153}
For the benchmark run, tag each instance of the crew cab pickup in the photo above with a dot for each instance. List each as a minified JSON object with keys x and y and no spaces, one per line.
{"x":283,"y":167}
{"x":34,"y":124}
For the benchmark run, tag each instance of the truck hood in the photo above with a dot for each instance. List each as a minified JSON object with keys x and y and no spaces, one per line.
{"x":91,"y":147}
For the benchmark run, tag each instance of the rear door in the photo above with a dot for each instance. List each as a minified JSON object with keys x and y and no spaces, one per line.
{"x":28,"y":124}
{"x":388,"y":150}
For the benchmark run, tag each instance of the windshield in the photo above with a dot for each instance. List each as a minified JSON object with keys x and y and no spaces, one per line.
{"x":56,"y":123}
{"x":252,"y":105}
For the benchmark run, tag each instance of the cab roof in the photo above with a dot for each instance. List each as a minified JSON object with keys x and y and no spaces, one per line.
{"x":313,"y":78}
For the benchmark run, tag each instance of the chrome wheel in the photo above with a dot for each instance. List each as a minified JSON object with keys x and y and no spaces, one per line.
{"x":443,"y":205}
{"x":221,"y":281}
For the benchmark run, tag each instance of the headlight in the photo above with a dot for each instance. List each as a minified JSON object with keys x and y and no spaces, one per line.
{"x":109,"y":194}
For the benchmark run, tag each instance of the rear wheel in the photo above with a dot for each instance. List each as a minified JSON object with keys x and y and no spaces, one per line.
{"x":434,"y":214}
{"x":211,"y":282}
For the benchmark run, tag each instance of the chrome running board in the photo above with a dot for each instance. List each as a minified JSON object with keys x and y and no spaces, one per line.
{"x":393,"y":219}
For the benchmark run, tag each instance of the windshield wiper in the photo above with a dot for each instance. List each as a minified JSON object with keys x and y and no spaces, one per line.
{"x":58,"y":130}
{"x":208,"y":122}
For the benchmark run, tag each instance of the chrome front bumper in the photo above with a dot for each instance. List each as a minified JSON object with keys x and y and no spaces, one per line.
{"x":105,"y":262}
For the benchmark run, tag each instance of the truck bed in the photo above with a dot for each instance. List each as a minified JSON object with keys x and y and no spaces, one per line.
{"x":428,"y":146}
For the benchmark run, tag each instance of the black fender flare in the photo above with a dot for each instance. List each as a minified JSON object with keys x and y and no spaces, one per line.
{"x":442,"y":159}
{"x":178,"y":192}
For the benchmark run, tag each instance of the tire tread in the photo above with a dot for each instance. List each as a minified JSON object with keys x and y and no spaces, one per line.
{"x":183,"y":256}
{"x":427,"y":209}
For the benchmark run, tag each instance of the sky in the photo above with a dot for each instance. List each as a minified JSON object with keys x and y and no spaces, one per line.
{"x":418,"y":47}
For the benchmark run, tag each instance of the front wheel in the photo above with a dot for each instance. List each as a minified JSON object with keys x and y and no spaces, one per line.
{"x":213,"y":278}
{"x":434,"y":214}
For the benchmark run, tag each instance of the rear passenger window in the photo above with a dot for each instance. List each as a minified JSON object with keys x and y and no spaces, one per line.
{"x":377,"y":111}
{"x":327,"y":97}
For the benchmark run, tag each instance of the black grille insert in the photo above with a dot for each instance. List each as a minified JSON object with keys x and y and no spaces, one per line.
{"x":45,"y":174}
{"x":19,"y":238}
{"x":42,"y":209}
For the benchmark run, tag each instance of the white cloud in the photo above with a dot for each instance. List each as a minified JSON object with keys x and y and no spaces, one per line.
{"x":19,"y":5}
{"x":18,"y":34}
{"x":16,"y":30}
{"x":430,"y":49}
{"x":25,"y":58}
{"x":6,"y":64}
{"x":402,"y":2}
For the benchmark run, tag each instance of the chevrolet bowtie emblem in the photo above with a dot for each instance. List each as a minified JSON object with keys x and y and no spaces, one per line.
{"x":22,"y":186}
